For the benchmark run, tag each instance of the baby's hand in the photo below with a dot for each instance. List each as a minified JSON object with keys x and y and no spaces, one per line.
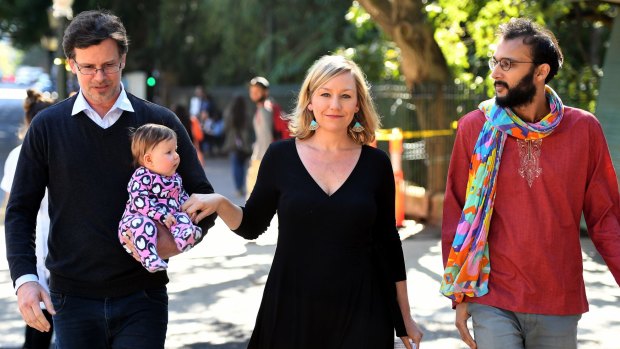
{"x":169,"y":221}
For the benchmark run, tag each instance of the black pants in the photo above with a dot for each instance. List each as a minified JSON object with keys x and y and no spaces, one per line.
{"x":36,"y":339}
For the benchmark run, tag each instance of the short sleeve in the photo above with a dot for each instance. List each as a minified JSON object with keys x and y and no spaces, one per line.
{"x":9,"y":169}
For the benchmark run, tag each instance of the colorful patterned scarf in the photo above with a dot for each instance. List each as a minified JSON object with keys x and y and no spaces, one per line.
{"x":468,"y":267}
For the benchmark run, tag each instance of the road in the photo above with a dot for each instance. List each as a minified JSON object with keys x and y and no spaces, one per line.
{"x":215,"y":288}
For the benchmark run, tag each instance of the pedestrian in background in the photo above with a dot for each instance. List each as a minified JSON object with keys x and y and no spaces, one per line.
{"x":192,"y":126}
{"x":80,"y":150}
{"x":181,"y":112}
{"x":338,"y":277}
{"x":213,"y":129}
{"x":196,"y":102}
{"x":511,"y":234}
{"x":262,"y":123}
{"x":238,"y":143}
{"x":33,"y":104}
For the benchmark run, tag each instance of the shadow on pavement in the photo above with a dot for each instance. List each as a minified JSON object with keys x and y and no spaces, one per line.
{"x":239,"y":345}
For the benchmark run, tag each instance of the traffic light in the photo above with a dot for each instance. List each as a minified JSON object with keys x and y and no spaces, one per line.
{"x":151,"y":85}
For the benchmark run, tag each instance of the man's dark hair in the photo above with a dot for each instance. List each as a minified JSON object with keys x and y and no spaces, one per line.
{"x":544,"y":45}
{"x":91,"y":28}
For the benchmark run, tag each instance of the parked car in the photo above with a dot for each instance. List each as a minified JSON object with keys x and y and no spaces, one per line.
{"x":26,"y":75}
{"x":44,"y":83}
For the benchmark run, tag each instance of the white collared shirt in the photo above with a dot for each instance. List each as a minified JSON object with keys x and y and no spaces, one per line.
{"x":122,"y":104}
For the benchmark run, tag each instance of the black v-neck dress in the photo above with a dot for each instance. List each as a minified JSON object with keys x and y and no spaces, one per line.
{"x":332,"y":281}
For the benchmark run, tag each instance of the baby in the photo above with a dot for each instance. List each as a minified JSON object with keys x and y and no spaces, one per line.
{"x":156,"y":195}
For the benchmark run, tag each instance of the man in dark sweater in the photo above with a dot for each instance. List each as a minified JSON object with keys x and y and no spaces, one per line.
{"x":80,"y":150}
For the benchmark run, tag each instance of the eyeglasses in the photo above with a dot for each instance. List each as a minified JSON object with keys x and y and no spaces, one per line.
{"x":504,"y":63}
{"x":110,"y":68}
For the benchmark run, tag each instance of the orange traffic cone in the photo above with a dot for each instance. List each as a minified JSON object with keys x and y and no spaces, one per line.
{"x":396,"y":155}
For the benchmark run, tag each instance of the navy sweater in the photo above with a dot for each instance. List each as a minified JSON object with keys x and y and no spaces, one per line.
{"x":86,"y":169}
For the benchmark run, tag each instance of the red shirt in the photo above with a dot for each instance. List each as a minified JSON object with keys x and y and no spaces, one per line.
{"x":534,"y":246}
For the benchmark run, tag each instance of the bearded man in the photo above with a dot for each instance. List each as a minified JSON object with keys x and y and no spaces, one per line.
{"x":510,"y":234}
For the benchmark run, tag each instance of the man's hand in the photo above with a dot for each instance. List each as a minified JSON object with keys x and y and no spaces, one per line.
{"x":128,"y":240}
{"x":28,"y":297}
{"x":166,"y":246}
{"x":461,"y":324}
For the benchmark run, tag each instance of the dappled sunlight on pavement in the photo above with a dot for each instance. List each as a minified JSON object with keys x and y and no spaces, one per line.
{"x":215,"y":288}
{"x":600,"y":327}
{"x":430,"y":309}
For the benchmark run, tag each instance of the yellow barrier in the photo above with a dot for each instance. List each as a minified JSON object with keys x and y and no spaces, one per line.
{"x":396,"y":136}
{"x":396,"y":157}
{"x":386,"y":135}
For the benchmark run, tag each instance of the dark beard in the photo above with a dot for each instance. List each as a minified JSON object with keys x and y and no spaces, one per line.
{"x":522,"y":94}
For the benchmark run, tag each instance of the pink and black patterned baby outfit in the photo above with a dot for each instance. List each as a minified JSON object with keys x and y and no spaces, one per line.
{"x":151,"y":198}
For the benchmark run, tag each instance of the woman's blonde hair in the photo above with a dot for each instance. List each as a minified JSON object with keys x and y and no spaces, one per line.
{"x":324,"y":69}
{"x":146,"y":137}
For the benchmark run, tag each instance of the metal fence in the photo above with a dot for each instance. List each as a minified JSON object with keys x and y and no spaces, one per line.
{"x":428,"y":128}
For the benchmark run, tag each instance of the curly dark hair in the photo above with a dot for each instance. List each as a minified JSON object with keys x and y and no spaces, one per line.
{"x":544,"y":45}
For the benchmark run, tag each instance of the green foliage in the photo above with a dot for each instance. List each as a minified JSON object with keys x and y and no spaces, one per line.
{"x":465,"y":30}
{"x":25,"y":22}
{"x":367,"y":45}
{"x":206,"y":41}
{"x":228,"y":42}
{"x":220,"y":42}
{"x":141,"y":18}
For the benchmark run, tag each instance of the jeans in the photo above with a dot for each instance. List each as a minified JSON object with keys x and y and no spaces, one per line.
{"x":138,"y":320}
{"x":498,"y":328}
{"x":238,"y":162}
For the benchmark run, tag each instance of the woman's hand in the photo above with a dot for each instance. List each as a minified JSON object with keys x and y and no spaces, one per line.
{"x":414,"y":333}
{"x":199,"y":206}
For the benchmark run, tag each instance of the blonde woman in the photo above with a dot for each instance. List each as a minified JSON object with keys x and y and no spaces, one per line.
{"x":338,"y":274}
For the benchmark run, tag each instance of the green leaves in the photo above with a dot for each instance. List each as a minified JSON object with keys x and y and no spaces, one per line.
{"x":465,"y":31}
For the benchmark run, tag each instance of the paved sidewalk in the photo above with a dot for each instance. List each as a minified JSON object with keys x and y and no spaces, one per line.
{"x":215,"y":288}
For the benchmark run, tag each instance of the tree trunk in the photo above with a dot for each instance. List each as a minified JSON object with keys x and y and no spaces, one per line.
{"x":405,"y":23}
{"x":422,"y":63}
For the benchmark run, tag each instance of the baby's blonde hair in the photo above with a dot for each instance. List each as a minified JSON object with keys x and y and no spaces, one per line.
{"x":146,"y":137}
